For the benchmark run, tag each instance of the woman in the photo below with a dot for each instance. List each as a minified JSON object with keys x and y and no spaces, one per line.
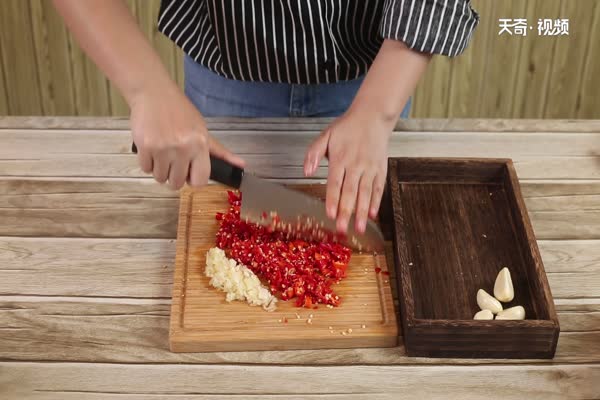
{"x":358,"y":60}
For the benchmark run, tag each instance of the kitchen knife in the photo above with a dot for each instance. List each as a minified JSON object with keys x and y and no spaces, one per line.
{"x":270,"y":204}
{"x":302,"y":215}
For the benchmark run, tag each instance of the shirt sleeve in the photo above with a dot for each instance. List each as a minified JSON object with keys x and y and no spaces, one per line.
{"x":430,"y":26}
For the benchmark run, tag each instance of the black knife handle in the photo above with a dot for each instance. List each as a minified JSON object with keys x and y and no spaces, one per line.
{"x":220,"y":171}
{"x":227,"y":174}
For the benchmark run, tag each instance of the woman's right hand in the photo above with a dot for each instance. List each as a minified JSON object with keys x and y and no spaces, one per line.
{"x":169,"y":133}
{"x":171,"y":137}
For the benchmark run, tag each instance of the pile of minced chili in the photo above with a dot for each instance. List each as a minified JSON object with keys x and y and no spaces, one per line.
{"x":304,"y":270}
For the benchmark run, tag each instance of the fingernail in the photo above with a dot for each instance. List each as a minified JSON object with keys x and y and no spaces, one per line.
{"x":331,"y":211}
{"x":361,"y":226}
{"x":342,"y":227}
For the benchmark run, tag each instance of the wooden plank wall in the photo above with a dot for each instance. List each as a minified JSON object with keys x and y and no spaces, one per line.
{"x":43,"y":72}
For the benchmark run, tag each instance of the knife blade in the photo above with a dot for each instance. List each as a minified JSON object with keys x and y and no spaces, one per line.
{"x":289,"y":210}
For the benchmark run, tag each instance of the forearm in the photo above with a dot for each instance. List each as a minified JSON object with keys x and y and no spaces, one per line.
{"x":109,"y":34}
{"x":391,"y":80}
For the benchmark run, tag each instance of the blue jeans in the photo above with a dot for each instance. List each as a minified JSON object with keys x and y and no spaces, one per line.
{"x":216,"y":96}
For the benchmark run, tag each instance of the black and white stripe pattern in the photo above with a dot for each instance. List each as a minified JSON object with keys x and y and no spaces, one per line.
{"x":310,"y":41}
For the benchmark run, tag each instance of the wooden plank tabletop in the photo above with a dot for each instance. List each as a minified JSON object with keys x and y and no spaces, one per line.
{"x":87,"y":251}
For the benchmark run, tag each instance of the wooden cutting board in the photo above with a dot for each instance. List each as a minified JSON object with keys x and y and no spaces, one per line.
{"x":202,"y":321}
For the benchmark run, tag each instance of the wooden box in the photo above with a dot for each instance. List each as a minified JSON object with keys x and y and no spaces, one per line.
{"x":457,"y":222}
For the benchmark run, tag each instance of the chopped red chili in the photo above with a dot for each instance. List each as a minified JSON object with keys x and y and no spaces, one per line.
{"x":377,"y":270}
{"x":386,"y":273}
{"x":304,"y":270}
{"x":233,"y":197}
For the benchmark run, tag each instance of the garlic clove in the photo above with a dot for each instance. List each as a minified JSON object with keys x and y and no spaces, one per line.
{"x":503,"y":288}
{"x":516,"y":312}
{"x":487,"y":302}
{"x":484,"y":315}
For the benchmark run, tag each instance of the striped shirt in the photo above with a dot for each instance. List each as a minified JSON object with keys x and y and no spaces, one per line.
{"x":310,"y":41}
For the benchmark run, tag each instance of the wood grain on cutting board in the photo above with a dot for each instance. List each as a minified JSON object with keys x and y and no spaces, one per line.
{"x":202,"y":321}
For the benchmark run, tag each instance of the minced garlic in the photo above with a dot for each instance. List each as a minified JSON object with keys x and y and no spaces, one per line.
{"x":237,"y":280}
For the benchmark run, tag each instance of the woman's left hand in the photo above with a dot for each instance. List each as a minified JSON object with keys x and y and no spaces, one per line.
{"x":357,"y":142}
{"x":356,"y":145}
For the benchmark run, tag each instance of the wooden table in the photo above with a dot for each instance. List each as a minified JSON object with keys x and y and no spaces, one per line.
{"x":87,"y":251}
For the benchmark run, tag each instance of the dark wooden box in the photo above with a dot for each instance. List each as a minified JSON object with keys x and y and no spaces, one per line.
{"x":457,"y":222}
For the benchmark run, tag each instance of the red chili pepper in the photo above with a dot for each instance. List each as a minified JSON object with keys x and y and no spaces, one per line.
{"x":233,"y":197}
{"x":377,"y":270}
{"x":293,"y":268}
{"x":289,"y":293}
{"x":341,"y":268}
{"x":307,"y":302}
{"x":386,"y":273}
